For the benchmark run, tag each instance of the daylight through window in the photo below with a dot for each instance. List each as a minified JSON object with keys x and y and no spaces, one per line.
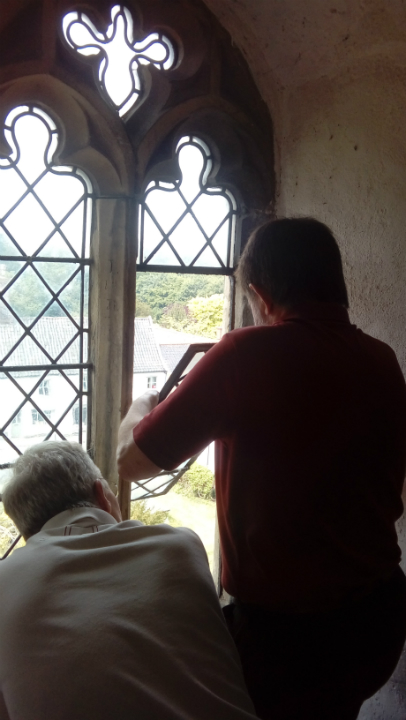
{"x":121,"y":57}
{"x":188,"y":223}
{"x":44,"y":264}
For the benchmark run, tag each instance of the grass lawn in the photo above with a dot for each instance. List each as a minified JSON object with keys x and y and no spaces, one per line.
{"x":194,"y":513}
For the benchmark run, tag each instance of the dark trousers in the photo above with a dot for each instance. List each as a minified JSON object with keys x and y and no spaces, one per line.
{"x":320,"y":666}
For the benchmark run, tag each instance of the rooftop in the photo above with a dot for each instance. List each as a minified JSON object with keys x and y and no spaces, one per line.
{"x":156,"y":349}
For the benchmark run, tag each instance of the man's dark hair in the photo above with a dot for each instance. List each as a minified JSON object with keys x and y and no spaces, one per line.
{"x":295,"y":260}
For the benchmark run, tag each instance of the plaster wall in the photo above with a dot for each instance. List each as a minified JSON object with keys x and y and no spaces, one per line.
{"x":342,"y":153}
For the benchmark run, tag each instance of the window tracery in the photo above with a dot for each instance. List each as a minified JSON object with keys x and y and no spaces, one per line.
{"x":121,"y":56}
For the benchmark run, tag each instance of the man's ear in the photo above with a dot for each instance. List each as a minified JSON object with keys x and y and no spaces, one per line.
{"x":264,"y":300}
{"x":101,"y":496}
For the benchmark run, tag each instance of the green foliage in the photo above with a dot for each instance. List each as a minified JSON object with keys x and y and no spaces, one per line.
{"x":207,"y":314}
{"x":142,"y":309}
{"x":201,"y":316}
{"x":28,"y":295}
{"x":140,"y":511}
{"x":161,"y":290}
{"x":198,"y":481}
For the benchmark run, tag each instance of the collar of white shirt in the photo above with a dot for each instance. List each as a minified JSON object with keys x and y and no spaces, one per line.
{"x":81,"y":517}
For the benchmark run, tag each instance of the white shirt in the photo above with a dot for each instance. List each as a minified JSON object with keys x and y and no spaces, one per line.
{"x":114,"y":621}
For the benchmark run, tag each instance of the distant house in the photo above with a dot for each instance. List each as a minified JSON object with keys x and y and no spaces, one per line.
{"x":156,"y":352}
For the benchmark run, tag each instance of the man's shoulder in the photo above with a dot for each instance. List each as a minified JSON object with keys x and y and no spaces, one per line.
{"x":163,"y":535}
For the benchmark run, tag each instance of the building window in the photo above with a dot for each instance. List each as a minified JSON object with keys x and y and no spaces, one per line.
{"x":121,"y":57}
{"x":151,"y":382}
{"x":39,"y":417}
{"x":44,"y":388}
{"x":17,"y":419}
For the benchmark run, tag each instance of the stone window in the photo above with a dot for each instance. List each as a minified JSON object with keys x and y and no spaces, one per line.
{"x":119,"y":103}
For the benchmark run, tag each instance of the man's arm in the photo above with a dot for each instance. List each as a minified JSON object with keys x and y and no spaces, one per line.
{"x":132,"y":463}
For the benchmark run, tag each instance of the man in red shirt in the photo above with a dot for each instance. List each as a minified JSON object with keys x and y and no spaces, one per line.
{"x":309,"y":418}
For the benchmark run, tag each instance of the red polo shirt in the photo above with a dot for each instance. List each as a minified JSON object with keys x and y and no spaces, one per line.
{"x":309,"y":416}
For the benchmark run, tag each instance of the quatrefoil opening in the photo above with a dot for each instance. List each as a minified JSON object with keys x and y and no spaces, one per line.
{"x":120,"y":55}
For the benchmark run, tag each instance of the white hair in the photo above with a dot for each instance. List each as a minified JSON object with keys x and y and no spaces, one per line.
{"x":47,"y":479}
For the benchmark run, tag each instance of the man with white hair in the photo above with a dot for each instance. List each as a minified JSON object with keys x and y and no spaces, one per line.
{"x":101,"y":618}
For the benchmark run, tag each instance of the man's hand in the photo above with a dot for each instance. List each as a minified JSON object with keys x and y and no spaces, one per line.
{"x":132,"y":463}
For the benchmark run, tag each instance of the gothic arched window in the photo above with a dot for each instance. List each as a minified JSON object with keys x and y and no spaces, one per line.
{"x":148,"y":114}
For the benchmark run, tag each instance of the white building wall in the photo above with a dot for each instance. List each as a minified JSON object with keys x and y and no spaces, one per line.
{"x":144,"y":381}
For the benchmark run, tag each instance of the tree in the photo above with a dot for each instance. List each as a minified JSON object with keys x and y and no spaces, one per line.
{"x":207,"y":314}
{"x":200,"y":316}
{"x":142,"y":309}
{"x":161,"y":290}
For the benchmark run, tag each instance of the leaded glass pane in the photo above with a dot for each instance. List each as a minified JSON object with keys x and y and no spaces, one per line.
{"x":186,"y":224}
{"x":118,"y":78}
{"x":44,"y":267}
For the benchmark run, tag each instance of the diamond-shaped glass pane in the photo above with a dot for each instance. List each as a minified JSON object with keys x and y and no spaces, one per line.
{"x":207,"y":259}
{"x":166,"y":206}
{"x":165,"y":256}
{"x":58,"y":204}
{"x":27,"y":352}
{"x":7,"y":453}
{"x":210,"y":211}
{"x":72,"y":228}
{"x":152,"y":236}
{"x":10,"y":331}
{"x":28,"y":295}
{"x":29,"y":225}
{"x":187,"y":239}
{"x":220,"y":242}
{"x":70,"y":296}
{"x":55,"y":274}
{"x":8,"y":270}
{"x":12,"y":187}
{"x":7,"y":246}
{"x":54,"y":334}
{"x":11,"y":398}
{"x":56,"y":247}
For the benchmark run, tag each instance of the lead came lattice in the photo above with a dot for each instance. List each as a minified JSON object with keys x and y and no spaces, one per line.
{"x":44,"y":257}
{"x":187,"y":225}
